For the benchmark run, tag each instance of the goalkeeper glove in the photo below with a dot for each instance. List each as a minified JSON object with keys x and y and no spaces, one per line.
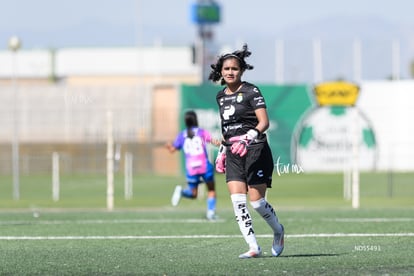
{"x":241,"y":142}
{"x":221,"y":160}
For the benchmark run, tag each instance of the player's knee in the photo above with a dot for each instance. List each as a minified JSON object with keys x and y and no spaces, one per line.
{"x":258,"y":203}
{"x":189,"y":193}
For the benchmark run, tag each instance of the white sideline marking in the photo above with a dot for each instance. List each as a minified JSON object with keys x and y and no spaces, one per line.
{"x":371,"y":219}
{"x":321,"y":235}
{"x":115,"y":221}
{"x":102,"y":221}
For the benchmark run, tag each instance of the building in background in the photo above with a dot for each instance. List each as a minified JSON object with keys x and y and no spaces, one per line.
{"x":101,"y":66}
{"x":63,"y":96}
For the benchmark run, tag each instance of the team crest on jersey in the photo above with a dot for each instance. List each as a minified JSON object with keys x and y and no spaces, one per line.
{"x":239,"y":98}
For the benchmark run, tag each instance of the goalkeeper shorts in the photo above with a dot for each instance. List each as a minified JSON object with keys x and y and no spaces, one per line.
{"x":255,"y":168}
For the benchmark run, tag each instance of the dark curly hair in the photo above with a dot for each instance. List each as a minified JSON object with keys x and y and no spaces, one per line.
{"x":240,"y":55}
{"x":190,"y":119}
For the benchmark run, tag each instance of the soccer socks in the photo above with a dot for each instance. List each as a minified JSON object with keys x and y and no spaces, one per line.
{"x":211,"y":204}
{"x":268,"y":214}
{"x":244,"y":219}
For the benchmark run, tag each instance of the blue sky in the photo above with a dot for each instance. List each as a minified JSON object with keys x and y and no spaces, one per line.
{"x":109,"y":23}
{"x":46,"y":16}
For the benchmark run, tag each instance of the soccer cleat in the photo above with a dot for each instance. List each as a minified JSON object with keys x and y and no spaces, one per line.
{"x":176,"y":195}
{"x":252,"y":253}
{"x":211,"y":215}
{"x":278,"y":243}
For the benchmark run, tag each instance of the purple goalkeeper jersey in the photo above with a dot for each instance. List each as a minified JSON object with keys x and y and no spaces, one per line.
{"x":195,"y":150}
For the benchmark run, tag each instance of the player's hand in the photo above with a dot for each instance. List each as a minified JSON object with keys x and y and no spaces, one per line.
{"x":221,"y":160}
{"x":241,"y":142}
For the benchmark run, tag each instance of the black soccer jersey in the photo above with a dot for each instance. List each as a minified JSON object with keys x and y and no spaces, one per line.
{"x":237,"y":111}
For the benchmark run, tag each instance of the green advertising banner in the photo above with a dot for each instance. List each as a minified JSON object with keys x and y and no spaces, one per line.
{"x":285,"y":105}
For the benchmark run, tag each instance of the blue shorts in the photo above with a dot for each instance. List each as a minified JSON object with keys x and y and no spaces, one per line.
{"x":208,"y":176}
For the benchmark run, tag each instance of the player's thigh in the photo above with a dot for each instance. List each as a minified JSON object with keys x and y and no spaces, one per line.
{"x":257,"y":192}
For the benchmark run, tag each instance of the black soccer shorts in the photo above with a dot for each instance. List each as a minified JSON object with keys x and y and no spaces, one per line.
{"x":256,"y":167}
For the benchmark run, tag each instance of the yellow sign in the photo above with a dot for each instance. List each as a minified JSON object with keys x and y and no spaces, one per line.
{"x":336,"y":93}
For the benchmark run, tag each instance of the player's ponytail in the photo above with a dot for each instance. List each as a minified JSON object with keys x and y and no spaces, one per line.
{"x":240,"y":55}
{"x":190,"y":119}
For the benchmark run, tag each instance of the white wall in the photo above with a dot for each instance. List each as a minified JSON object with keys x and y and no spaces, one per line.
{"x":32,"y":64}
{"x":390,"y":108}
{"x":98,"y":61}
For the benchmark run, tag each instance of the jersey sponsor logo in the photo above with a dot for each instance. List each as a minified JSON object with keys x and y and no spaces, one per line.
{"x":221,"y":101}
{"x":259,"y":101}
{"x":228,"y":99}
{"x":226,"y":128}
{"x":228,"y":111}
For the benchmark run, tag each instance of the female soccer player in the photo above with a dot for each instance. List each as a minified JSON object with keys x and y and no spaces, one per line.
{"x":193,"y":141}
{"x":245,"y":155}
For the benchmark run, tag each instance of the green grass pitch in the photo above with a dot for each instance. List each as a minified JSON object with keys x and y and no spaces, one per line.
{"x":146,"y":236}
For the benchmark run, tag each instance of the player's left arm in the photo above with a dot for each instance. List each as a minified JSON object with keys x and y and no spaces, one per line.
{"x":216,"y":142}
{"x":263,"y":119}
{"x":210,"y":139}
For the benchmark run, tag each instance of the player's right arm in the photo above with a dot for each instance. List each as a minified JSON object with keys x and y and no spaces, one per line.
{"x":170,"y":147}
{"x":176,"y":144}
